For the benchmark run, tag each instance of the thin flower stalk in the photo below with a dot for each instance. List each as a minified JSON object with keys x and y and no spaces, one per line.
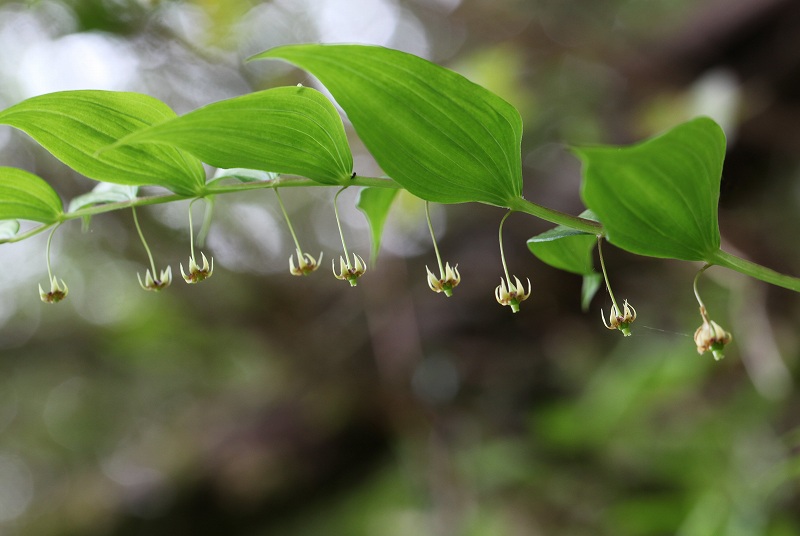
{"x":57,"y":291}
{"x":508,"y":292}
{"x":710,"y":336}
{"x":620,"y":318}
{"x":151,"y":282}
{"x":305,"y":262}
{"x":348,"y":271}
{"x":449,"y":278}
{"x":197,"y":272}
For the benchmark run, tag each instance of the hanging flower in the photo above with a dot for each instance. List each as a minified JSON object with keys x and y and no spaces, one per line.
{"x":305,"y":263}
{"x":350,"y":272}
{"x":620,"y":321}
{"x":56,"y":294}
{"x":512,"y":294}
{"x":162,"y":282}
{"x":447,"y":280}
{"x":197,"y":273}
{"x":710,"y":337}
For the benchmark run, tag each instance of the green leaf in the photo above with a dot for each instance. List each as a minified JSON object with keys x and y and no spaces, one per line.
{"x":75,"y":125}
{"x":8,"y":229}
{"x":293,"y":130}
{"x":440,"y":136}
{"x":572,"y":251}
{"x":659,"y":197}
{"x":25,"y":196}
{"x":105,"y":192}
{"x":565,"y":248}
{"x":375,"y":204}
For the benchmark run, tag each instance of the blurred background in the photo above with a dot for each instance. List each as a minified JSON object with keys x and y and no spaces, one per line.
{"x":257,"y":403}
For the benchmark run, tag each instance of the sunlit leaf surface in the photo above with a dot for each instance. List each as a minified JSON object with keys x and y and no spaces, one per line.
{"x":75,"y":125}
{"x":25,"y":196}
{"x":659,"y":197}
{"x":442,"y":137}
{"x":294,"y":130}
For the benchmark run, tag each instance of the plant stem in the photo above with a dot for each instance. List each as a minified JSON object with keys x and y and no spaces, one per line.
{"x":502,"y":253}
{"x":554,"y":216}
{"x":433,"y":238}
{"x":728,"y":260}
{"x":617,"y":310}
{"x":47,"y":253}
{"x":288,"y":222}
{"x":694,"y":285}
{"x":144,"y":242}
{"x":191,"y":230}
{"x":339,"y":224}
{"x":206,"y":225}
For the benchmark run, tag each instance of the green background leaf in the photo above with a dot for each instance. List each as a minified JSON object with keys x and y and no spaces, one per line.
{"x":105,"y":192}
{"x":442,"y":137}
{"x":293,"y":130}
{"x":75,"y":125}
{"x":375,"y":203}
{"x":8,"y":229}
{"x":25,"y":196}
{"x":659,"y":197}
{"x":572,"y":251}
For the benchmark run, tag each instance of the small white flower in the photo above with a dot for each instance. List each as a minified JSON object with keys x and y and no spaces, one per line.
{"x":162,"y":282}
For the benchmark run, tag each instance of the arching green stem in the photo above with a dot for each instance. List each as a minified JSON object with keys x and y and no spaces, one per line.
{"x":554,"y":216}
{"x":728,"y":260}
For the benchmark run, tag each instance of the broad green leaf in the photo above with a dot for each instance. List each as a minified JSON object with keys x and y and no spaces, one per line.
{"x":25,"y":196}
{"x":103,"y":193}
{"x":8,"y":229}
{"x":659,"y":197}
{"x":375,"y":204}
{"x":293,"y":130}
{"x":440,"y":136}
{"x":75,"y":125}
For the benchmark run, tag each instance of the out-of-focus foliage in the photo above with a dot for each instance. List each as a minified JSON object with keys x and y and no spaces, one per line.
{"x":260,"y":404}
